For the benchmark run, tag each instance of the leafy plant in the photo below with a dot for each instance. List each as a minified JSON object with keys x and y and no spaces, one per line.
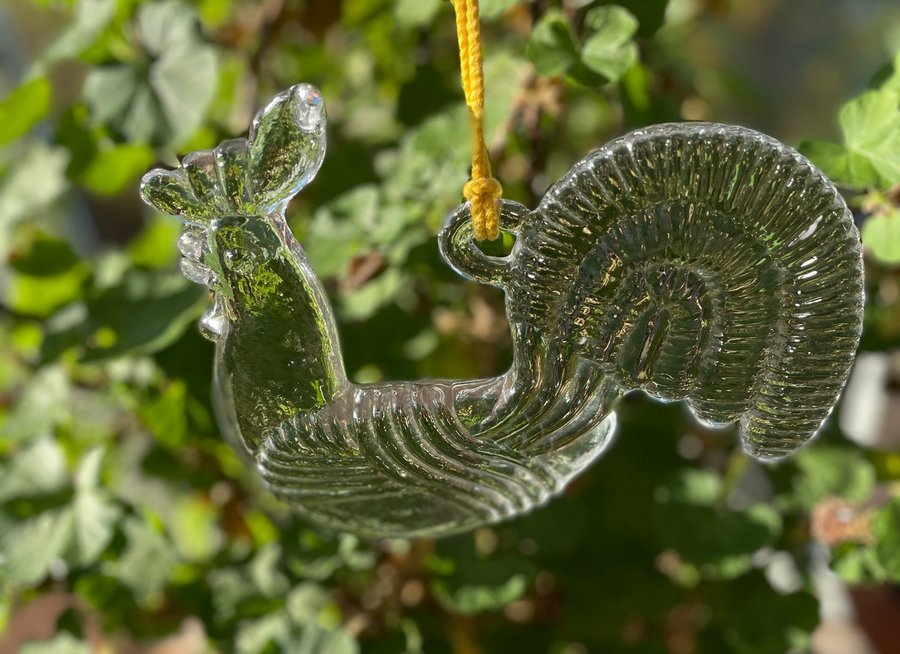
{"x":117,"y":491}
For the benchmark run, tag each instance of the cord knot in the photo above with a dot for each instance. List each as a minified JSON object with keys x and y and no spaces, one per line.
{"x":484,"y":195}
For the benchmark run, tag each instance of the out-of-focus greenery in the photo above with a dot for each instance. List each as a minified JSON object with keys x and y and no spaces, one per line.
{"x":115,"y":486}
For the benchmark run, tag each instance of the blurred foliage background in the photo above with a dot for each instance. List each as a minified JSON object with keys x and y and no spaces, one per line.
{"x":126,"y":523}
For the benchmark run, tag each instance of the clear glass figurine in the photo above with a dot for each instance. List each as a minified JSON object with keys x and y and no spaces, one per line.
{"x":695,"y":261}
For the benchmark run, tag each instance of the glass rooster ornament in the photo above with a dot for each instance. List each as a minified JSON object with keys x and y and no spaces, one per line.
{"x":694,"y":261}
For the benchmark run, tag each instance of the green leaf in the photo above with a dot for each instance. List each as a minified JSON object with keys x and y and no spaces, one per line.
{"x":41,"y":296}
{"x":551,"y":47}
{"x":416,"y":13}
{"x":315,"y":640}
{"x":30,"y":187}
{"x":609,"y":49}
{"x":96,"y":515}
{"x":147,"y":562}
{"x":473,"y":599}
{"x":38,"y":469}
{"x":145,"y":313}
{"x":255,"y":636}
{"x":155,"y":246}
{"x":832,"y":472}
{"x":493,"y":8}
{"x":167,"y":25}
{"x":91,"y":19}
{"x":28,"y":548}
{"x":881,"y":237}
{"x":166,"y":415}
{"x":23,"y":109}
{"x":341,"y":230}
{"x":266,"y":575}
{"x":111,"y":170}
{"x":195,"y":530}
{"x":42,"y":404}
{"x":886,"y":530}
{"x":871,"y":126}
{"x":184,"y":82}
{"x":504,"y":74}
{"x":834,"y":160}
{"x":756,"y":619}
{"x":164,"y":100}
{"x":892,"y":83}
{"x":43,"y":256}
{"x":306,"y":603}
{"x":724,"y":547}
{"x":64,"y":643}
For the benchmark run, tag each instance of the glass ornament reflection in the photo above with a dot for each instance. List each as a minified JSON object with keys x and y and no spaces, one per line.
{"x":695,"y":261}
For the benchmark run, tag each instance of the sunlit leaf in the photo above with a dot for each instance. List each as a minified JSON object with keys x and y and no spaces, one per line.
{"x":23,"y":108}
{"x":28,"y":548}
{"x":41,"y":405}
{"x":416,"y":13}
{"x":147,"y":562}
{"x":551,"y":47}
{"x":881,"y":237}
{"x":64,"y":643}
{"x":494,"y":8}
{"x":871,"y":126}
{"x":163,"y":100}
{"x":886,"y":531}
{"x":609,"y":49}
{"x":832,"y":471}
{"x":146,"y":312}
{"x":91,"y":18}
{"x":95,"y":513}
{"x":110,"y":170}
{"x":37,"y":469}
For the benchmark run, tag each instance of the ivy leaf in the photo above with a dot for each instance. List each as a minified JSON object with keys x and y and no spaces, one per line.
{"x":23,"y":109}
{"x":28,"y":548}
{"x":195,"y":530}
{"x":832,"y":471}
{"x":416,"y":13}
{"x":871,"y":126}
{"x":38,"y":469}
{"x":112,"y":169}
{"x":145,"y":313}
{"x":162,"y":100}
{"x":755,"y":619}
{"x":886,"y":530}
{"x":834,"y":160}
{"x":42,"y":404}
{"x":881,"y":237}
{"x":147,"y":562}
{"x":255,"y":636}
{"x":609,"y":50}
{"x":489,"y":9}
{"x":473,"y":599}
{"x":49,"y":275}
{"x":95,"y":513}
{"x":475,"y":583}
{"x":64,"y":643}
{"x":316,"y":640}
{"x":167,"y":25}
{"x":551,"y":47}
{"x":91,"y":18}
{"x":30,"y":187}
{"x":503,"y":74}
{"x":892,"y":83}
{"x":724,"y":548}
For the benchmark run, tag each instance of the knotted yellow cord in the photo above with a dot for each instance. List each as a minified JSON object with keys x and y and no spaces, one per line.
{"x":482,"y":190}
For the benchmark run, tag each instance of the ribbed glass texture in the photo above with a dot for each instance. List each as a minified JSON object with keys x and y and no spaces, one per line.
{"x":695,"y":261}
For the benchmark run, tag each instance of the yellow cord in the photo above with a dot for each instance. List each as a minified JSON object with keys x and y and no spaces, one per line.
{"x":482,"y":190}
